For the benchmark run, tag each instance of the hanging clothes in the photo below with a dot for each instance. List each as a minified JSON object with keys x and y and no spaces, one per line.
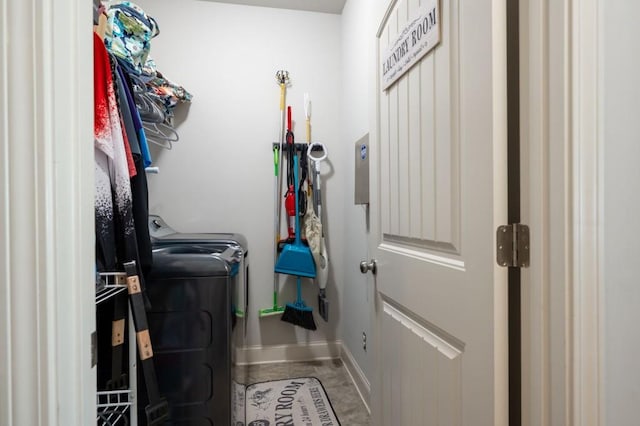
{"x":139,"y":191}
{"x":121,"y":144}
{"x":115,"y":231}
{"x":165,"y":92}
{"x":135,"y":117}
{"x":128,"y":37}
{"x":129,"y":34}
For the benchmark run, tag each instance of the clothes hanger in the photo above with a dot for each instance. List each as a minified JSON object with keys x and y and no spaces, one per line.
{"x":101,"y":27}
{"x":161,"y":134}
{"x":168,"y":145}
{"x":149,"y":110}
{"x":161,"y":131}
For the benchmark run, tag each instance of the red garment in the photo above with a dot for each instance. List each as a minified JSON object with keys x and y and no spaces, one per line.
{"x":115,"y":231}
{"x":106,"y":106}
{"x":102,"y":80}
{"x":127,"y":149}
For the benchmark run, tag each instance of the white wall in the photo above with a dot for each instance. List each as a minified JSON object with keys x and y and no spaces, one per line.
{"x":620,"y":66}
{"x":357,"y":43}
{"x":219,"y":176}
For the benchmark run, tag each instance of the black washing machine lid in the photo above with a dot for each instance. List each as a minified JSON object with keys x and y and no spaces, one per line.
{"x":162,"y":234}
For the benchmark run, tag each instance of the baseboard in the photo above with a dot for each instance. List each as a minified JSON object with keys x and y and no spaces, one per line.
{"x":289,"y":353}
{"x":357,"y":376}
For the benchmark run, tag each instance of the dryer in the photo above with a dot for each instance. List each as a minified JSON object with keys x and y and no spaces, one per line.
{"x":198,"y":290}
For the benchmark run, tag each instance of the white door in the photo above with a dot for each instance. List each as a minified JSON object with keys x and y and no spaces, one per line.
{"x":439,"y":193}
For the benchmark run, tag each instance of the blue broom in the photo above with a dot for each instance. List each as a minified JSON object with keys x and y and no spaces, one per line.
{"x":298,"y":313}
{"x":296,"y":258}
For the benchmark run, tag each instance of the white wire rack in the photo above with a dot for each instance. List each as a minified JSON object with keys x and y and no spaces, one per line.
{"x":119,"y":407}
{"x":111,"y":283}
{"x":113,"y":407}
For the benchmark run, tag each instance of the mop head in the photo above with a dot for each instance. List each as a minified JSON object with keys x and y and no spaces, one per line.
{"x":267,"y":312}
{"x":323,"y":305}
{"x":299,"y":314}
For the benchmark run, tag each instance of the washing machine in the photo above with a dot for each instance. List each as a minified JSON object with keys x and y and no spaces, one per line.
{"x":198,"y":289}
{"x":163,"y":235}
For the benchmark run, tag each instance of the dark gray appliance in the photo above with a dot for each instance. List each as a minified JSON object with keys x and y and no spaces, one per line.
{"x":198,"y":293}
{"x":162,"y":235}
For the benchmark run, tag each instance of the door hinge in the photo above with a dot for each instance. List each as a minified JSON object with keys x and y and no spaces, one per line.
{"x":513,"y":245}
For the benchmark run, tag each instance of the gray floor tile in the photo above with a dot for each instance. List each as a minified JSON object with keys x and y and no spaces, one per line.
{"x":344,"y":397}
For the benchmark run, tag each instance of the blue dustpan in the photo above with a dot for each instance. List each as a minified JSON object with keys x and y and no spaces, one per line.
{"x":296,"y":259}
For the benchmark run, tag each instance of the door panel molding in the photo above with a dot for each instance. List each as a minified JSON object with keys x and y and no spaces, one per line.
{"x":443,"y":342}
{"x":421,"y":244}
{"x":435,"y":259}
{"x":422,"y":184}
{"x":441,"y":377}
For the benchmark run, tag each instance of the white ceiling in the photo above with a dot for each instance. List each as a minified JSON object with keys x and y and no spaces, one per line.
{"x":327,"y":6}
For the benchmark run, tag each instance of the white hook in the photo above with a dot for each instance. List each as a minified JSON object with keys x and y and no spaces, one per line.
{"x":310,"y":150}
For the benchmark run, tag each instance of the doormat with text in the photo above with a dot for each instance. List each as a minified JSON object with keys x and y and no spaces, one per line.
{"x":301,"y":402}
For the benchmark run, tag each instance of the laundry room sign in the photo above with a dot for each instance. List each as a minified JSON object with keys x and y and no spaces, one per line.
{"x":416,"y":39}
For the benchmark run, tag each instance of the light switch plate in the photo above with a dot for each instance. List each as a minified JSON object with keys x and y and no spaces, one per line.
{"x":361,"y":195}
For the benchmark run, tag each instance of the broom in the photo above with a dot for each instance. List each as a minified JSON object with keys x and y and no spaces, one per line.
{"x":283,"y":79}
{"x":299,"y":313}
{"x":296,"y":259}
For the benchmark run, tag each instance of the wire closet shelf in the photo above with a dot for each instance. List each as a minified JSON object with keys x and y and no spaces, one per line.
{"x":117,"y":407}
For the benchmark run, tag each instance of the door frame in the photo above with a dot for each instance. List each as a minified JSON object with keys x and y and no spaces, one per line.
{"x":588,"y":207}
{"x":47,"y":291}
{"x":562,"y":204}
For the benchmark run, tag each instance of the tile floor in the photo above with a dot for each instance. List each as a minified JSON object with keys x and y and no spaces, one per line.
{"x":344,"y":397}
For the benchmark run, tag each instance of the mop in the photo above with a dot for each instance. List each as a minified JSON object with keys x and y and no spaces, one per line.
{"x":283,"y":80}
{"x":313,"y":225}
{"x":296,"y":259}
{"x":313,"y":217}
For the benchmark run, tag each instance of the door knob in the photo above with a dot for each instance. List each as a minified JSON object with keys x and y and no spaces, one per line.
{"x":368,"y":266}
